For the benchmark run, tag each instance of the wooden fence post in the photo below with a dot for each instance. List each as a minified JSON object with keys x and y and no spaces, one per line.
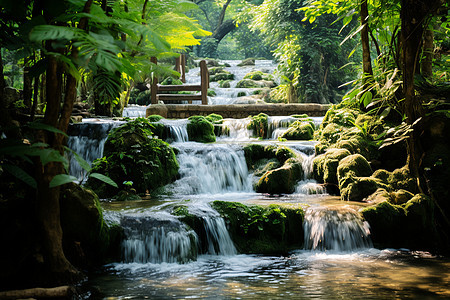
{"x":204,"y":81}
{"x":183,"y":67}
{"x":154,"y":85}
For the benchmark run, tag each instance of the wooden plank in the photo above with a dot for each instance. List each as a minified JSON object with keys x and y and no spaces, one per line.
{"x":204,"y":81}
{"x":178,"y":97}
{"x":177,"y":88}
{"x":183,"y":68}
{"x":154,"y":85}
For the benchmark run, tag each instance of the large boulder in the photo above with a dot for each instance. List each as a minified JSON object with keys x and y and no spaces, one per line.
{"x":410,"y":225}
{"x":88,"y":241}
{"x":281,"y":180}
{"x":132,"y":155}
{"x":355,"y":163}
{"x":200,"y":130}
{"x":325,"y":165}
{"x":256,"y":229}
{"x":299,"y":131}
{"x":247,"y":62}
{"x":259,"y":125}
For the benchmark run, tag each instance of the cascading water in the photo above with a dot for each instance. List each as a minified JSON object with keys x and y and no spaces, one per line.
{"x":87,"y":139}
{"x":340,"y":229}
{"x":177,"y":130}
{"x":156,"y":239}
{"x":134,"y":111}
{"x":211,"y":169}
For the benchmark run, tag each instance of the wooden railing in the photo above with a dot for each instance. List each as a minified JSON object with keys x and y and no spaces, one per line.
{"x":157,"y":90}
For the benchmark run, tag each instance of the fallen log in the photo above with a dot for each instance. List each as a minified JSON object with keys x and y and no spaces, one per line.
{"x":60,"y":292}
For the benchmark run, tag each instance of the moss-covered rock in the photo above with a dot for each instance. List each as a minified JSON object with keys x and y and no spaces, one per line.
{"x":154,"y":118}
{"x":259,"y":125}
{"x":281,"y":180}
{"x":299,"y":131}
{"x":386,"y":222}
{"x":256,"y":229}
{"x":225,"y":75}
{"x":247,"y":62}
{"x":131,"y":154}
{"x":325,"y":165}
{"x":402,"y":179}
{"x":258,"y":75}
{"x":355,"y":163}
{"x":354,"y":188}
{"x":224,"y":83}
{"x":256,"y":154}
{"x":248,"y":83}
{"x":200,"y":130}
{"x":410,"y":225}
{"x":214,"y":118}
{"x":216,"y":70}
{"x":88,"y":240}
{"x":400,"y":196}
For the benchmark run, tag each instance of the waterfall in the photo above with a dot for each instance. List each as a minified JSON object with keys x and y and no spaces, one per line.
{"x":218,"y":238}
{"x":335,"y":229}
{"x":177,"y":129}
{"x":157,"y":239}
{"x":87,"y":139}
{"x":134,"y":111}
{"x":211,"y":169}
{"x":236,"y":130}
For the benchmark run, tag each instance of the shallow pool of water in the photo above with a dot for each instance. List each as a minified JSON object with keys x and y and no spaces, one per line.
{"x":367,"y":274}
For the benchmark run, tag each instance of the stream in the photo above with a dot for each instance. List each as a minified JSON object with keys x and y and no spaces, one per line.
{"x":164,"y":259}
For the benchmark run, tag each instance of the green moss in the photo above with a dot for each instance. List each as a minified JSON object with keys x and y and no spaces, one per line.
{"x":83,"y":224}
{"x":266,"y":165}
{"x":224,"y":83}
{"x":258,"y":75}
{"x":225,"y":75}
{"x":259,"y":125}
{"x":299,"y":131}
{"x":242,"y":94}
{"x":248,"y":83}
{"x":247,"y":62}
{"x":382,"y":175}
{"x":200,"y":130}
{"x":216,"y":70}
{"x":355,"y":163}
{"x":171,"y":81}
{"x":214,"y":118}
{"x":400,"y":196}
{"x":256,"y":229}
{"x":211,"y":93}
{"x":402,"y":179}
{"x":281,"y":180}
{"x":131,"y":154}
{"x":358,"y":188}
{"x":154,"y":118}
{"x":385,"y":220}
{"x":410,"y":225}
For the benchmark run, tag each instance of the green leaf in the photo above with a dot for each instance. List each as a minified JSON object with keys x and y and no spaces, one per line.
{"x":385,"y":112}
{"x":61,"y":179}
{"x":41,"y":126}
{"x":103,"y":178}
{"x":366,"y":98}
{"x":21,"y":174}
{"x":84,"y":164}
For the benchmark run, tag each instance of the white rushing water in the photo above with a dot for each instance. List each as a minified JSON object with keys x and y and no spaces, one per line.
{"x":211,"y":169}
{"x":339,"y":229}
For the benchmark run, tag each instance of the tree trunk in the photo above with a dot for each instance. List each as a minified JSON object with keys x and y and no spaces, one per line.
{"x":48,"y":208}
{"x":428,"y":51}
{"x":27,"y":85}
{"x":59,"y":268}
{"x":222,"y":16}
{"x":367,"y":63}
{"x":412,"y":16}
